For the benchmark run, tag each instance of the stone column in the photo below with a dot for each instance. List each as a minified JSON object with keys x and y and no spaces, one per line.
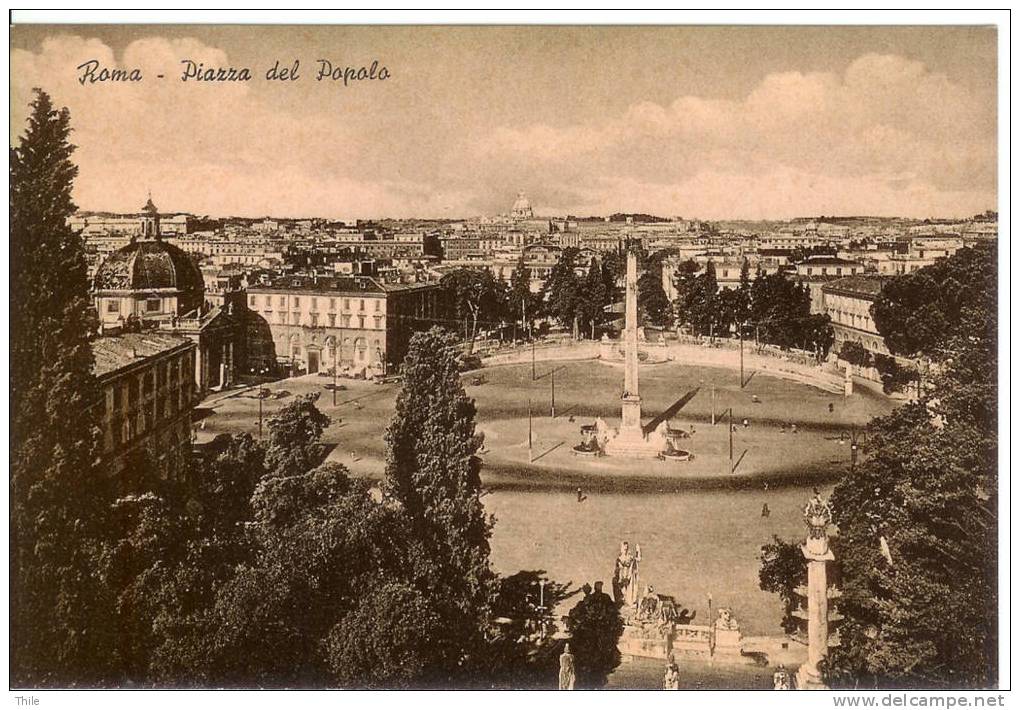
{"x":848,"y":380}
{"x":631,"y":406}
{"x":817,"y":515}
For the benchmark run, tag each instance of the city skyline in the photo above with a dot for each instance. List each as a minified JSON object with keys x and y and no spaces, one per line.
{"x":701,"y":122}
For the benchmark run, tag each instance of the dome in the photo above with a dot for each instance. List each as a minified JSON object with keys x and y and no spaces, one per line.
{"x":150,"y":265}
{"x":522,"y":204}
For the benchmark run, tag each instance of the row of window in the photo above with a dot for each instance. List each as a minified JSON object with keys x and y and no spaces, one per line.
{"x":152,"y":305}
{"x":316,"y":302}
{"x":129,"y":390}
{"x":125,"y":428}
{"x":345,"y":321}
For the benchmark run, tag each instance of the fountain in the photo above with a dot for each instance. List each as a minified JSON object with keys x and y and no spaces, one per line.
{"x":630,"y":439}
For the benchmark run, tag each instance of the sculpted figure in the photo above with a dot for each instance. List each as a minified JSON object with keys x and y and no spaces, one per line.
{"x":567,"y":673}
{"x":625,"y":577}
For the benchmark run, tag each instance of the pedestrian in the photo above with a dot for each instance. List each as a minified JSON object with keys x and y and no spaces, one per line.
{"x":765,"y":512}
{"x":746,"y":423}
{"x":781,"y":679}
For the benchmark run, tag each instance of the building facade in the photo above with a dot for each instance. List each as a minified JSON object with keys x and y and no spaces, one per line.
{"x":358,"y":324}
{"x":148,"y":391}
{"x":848,"y":302}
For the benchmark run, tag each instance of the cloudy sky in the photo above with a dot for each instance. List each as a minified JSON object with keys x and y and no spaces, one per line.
{"x":707,"y":122}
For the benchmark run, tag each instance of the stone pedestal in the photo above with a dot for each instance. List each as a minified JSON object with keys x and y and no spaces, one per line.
{"x":817,"y":553}
{"x":631,"y":413}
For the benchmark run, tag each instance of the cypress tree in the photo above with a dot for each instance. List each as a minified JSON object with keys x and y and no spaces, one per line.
{"x":433,"y":472}
{"x":55,"y":495}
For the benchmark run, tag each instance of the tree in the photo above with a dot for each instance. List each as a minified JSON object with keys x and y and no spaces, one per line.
{"x":561,"y":291}
{"x":294,"y":434}
{"x":701,"y":305}
{"x":591,"y":310}
{"x":56,"y":492}
{"x":684,"y":283}
{"x":433,"y":473}
{"x":386,"y":642}
{"x":783,"y":569}
{"x":520,"y":300}
{"x":474,"y":296}
{"x":520,"y":656}
{"x":928,"y":488}
{"x":652,"y":298}
{"x":595,"y":626}
{"x":856,"y":354}
{"x":744,"y":313}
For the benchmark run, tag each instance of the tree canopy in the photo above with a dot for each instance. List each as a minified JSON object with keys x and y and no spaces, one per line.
{"x":929,"y":488}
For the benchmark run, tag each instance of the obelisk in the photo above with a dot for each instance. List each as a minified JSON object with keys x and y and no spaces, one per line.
{"x":631,"y":405}
{"x":817,"y":515}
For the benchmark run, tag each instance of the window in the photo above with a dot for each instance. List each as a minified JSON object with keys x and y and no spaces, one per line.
{"x":332,"y":320}
{"x":252,"y":301}
{"x":378,"y":305}
{"x":315,"y":320}
{"x":332,"y":304}
{"x":315,"y":303}
{"x":347,"y":304}
{"x":297,"y":301}
{"x":361,"y":304}
{"x":152,"y":305}
{"x":113,"y":306}
{"x":283,"y":300}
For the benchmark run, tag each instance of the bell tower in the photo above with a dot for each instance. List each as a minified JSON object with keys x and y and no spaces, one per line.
{"x":150,"y":220}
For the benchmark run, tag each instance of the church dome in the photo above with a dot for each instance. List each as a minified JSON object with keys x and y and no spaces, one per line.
{"x":522,"y":207}
{"x":153,"y":265}
{"x":522,"y":204}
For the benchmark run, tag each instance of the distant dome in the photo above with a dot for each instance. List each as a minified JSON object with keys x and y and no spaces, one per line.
{"x":522,"y":207}
{"x":151,"y":265}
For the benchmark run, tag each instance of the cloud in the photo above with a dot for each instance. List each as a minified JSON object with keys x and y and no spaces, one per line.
{"x":204,"y":148}
{"x":798,"y":143}
{"x":883,"y":136}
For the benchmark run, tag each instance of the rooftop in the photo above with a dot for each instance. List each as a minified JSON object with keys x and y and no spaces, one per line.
{"x":336,"y":284}
{"x":828,"y":261}
{"x":869,"y":286}
{"x":114,"y":352}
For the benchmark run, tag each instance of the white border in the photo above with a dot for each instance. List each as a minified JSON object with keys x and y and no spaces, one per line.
{"x":258,"y":700}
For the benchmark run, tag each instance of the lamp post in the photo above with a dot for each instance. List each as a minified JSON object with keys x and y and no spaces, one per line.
{"x":541,"y":608}
{"x":334,"y":373}
{"x":741,"y":329}
{"x":256,"y":373}
{"x":729,"y":426}
{"x":529,"y":432}
{"x":552,"y":394}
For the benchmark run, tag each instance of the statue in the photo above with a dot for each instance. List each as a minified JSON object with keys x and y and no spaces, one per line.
{"x":601,"y":432}
{"x":567,"y":672}
{"x":781,"y":679}
{"x":818,"y":515}
{"x":726,"y":621}
{"x":671,"y":680}
{"x":625,"y":577}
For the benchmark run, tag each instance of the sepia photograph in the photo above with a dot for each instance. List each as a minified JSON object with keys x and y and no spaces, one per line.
{"x":538,"y":353}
